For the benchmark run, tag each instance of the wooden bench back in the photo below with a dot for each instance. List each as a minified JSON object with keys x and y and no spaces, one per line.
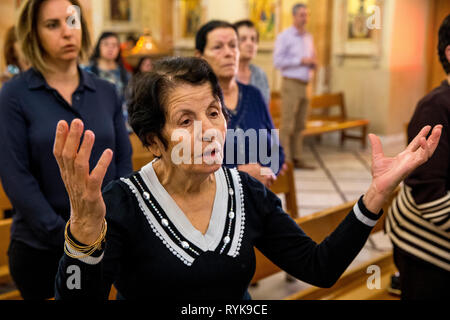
{"x":141,"y":155}
{"x":352,"y":285}
{"x":327,"y":101}
{"x":5,"y":276}
{"x":5,"y":204}
{"x":324,"y":102}
{"x":317,"y":226}
{"x":5,"y":227}
{"x":136,"y":144}
{"x":285,"y":184}
{"x":275,"y":108}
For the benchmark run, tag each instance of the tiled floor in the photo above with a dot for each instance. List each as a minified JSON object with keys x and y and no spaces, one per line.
{"x":342,"y":174}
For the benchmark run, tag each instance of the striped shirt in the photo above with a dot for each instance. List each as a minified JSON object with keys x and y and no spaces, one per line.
{"x":421,"y":230}
{"x":418,"y":221}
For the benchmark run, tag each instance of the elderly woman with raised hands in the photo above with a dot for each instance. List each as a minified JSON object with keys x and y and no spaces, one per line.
{"x":188,"y":230}
{"x":217,"y":42}
{"x":53,"y":36}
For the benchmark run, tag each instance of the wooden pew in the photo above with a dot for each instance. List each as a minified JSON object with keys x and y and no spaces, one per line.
{"x":141,"y":155}
{"x":323,"y":122}
{"x":5,"y":204}
{"x":318,"y":226}
{"x":285,"y":184}
{"x":5,"y":277}
{"x":275,"y":108}
{"x":5,"y":226}
{"x":113,"y":293}
{"x":352,"y":285}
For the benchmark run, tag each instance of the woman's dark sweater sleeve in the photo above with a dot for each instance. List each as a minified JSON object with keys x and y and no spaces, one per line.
{"x":96,"y":277}
{"x":285,"y":244}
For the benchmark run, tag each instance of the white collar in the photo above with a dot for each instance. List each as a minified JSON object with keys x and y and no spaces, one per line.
{"x":212,"y":237}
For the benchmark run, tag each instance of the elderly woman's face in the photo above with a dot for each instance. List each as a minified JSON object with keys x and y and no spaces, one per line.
{"x":195,"y":129}
{"x":222,"y":52}
{"x":59,"y":34}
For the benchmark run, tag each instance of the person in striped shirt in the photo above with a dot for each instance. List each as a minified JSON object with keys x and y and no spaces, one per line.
{"x":418,"y":221}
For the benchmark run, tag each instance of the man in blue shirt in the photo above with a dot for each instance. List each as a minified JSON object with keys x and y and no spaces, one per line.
{"x":295,"y":56}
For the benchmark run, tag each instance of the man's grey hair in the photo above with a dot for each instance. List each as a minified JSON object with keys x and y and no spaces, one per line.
{"x":298,"y":6}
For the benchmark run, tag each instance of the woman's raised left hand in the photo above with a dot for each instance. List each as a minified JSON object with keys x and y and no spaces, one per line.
{"x":388,"y":172}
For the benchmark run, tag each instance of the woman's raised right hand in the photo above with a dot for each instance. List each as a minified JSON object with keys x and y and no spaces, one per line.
{"x":86,"y":202}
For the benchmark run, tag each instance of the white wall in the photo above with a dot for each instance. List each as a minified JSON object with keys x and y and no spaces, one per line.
{"x":229,"y":10}
{"x":385,"y":90}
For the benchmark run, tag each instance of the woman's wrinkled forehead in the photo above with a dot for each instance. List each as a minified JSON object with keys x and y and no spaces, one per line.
{"x":185,"y":96}
{"x":221,"y":34}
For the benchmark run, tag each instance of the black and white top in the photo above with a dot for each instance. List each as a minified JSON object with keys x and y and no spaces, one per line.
{"x":421,"y":230}
{"x":418,"y":222}
{"x":170,"y":224}
{"x":153,"y":251}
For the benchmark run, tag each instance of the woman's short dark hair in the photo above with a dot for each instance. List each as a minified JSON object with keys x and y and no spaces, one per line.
{"x":202,"y":34}
{"x":444,"y":41}
{"x":248,"y":24}
{"x":147,"y":103}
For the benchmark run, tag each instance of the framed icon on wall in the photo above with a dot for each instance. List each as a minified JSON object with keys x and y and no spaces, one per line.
{"x":263,"y":13}
{"x":120,"y":10}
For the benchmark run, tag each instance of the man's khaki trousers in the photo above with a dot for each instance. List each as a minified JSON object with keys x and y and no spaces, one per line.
{"x":294,"y":111}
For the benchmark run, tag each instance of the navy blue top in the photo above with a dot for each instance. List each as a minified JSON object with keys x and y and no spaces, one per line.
{"x":29,"y":112}
{"x":252,"y":113}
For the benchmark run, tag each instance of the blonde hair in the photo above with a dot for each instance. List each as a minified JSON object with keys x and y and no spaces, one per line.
{"x":28,"y":37}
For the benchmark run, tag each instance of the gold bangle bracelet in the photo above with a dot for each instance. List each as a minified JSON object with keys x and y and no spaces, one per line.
{"x":86,"y":250}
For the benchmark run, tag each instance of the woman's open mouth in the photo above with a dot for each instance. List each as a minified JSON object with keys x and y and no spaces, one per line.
{"x":212,"y":155}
